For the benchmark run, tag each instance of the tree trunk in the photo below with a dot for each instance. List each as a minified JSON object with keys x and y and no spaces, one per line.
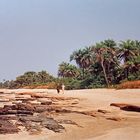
{"x":104,"y":73}
{"x":126,"y":73}
{"x":83,"y":73}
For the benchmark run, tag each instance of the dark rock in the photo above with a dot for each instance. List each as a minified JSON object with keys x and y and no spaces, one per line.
{"x":32,"y":111}
{"x":5,"y":112}
{"x":7,"y":117}
{"x":19,"y":106}
{"x":52,"y":124}
{"x":131,"y":108}
{"x":43,"y":108}
{"x":27,"y":107}
{"x":20,"y":112}
{"x":6,"y":127}
{"x":46,"y":122}
{"x":103,"y":111}
{"x":118,"y":104}
{"x":31,"y":119}
{"x":63,"y":110}
{"x":127,"y":107}
{"x":114,"y":118}
{"x":89,"y":113}
{"x":32,"y":128}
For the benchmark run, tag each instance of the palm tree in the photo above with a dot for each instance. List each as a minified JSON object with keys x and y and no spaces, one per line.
{"x":99,"y":56}
{"x":104,"y":53}
{"x":110,"y":43}
{"x":129,"y":51}
{"x":83,"y":58}
{"x":67,"y":70}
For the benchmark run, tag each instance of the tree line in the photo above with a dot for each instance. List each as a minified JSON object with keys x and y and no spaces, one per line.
{"x":27,"y":79}
{"x":104,"y":64}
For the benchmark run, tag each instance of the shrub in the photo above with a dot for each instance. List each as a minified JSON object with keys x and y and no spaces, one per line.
{"x":129,"y":84}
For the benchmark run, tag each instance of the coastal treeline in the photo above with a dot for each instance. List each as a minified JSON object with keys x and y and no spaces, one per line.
{"x":104,"y":64}
{"x":29,"y":78}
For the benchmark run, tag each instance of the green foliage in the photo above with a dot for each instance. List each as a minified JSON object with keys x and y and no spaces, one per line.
{"x":68,"y":70}
{"x":29,"y":78}
{"x":107,"y":63}
{"x":72,"y":84}
{"x":104,"y":64}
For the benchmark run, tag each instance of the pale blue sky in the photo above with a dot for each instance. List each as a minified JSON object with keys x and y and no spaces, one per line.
{"x":37,"y":35}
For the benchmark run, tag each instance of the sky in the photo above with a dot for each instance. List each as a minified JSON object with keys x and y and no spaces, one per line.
{"x":38,"y":35}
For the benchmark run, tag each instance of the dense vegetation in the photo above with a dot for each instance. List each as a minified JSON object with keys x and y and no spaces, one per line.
{"x":28,"y":79}
{"x":104,"y":64}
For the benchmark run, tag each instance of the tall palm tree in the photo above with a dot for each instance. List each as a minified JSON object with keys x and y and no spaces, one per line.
{"x":83,"y":58}
{"x":129,"y":51}
{"x":99,"y":56}
{"x":104,"y":53}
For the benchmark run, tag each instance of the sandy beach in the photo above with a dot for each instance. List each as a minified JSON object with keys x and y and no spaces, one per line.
{"x":90,"y":109}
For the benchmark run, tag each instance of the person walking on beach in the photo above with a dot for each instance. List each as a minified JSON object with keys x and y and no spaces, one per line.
{"x":63,"y":88}
{"x":58,"y":88}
